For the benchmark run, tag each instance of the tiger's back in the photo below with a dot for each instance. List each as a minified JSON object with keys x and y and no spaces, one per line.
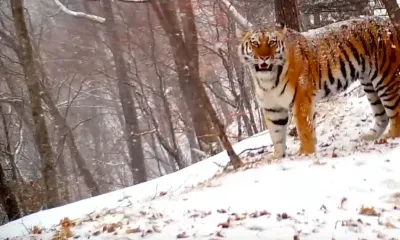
{"x":360,"y":49}
{"x":293,"y":70}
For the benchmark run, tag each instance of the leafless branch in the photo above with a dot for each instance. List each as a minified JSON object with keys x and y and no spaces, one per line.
{"x":90,"y":17}
{"x":242,"y":21}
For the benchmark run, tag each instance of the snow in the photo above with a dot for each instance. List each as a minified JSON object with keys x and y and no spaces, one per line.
{"x":316,"y":198}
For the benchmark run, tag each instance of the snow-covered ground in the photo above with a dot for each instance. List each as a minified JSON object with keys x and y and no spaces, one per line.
{"x":351,"y":191}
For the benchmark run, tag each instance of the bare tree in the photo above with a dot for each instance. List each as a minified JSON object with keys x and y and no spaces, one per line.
{"x":32,"y":83}
{"x":133,"y":141}
{"x":182,"y":36}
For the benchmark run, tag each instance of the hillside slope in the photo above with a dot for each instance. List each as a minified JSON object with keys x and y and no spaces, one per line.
{"x":352,"y":191}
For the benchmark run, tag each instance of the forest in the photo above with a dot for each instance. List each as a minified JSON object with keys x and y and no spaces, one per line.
{"x":99,"y":95}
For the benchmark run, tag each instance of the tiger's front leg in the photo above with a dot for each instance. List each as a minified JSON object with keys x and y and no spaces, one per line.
{"x":277,"y":119}
{"x":304,"y":113}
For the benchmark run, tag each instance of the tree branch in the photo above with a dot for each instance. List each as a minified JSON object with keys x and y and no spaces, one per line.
{"x":242,"y":21}
{"x":4,"y":99}
{"x":90,"y":17}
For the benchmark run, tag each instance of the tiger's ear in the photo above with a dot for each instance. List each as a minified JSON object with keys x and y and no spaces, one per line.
{"x":281,"y":27}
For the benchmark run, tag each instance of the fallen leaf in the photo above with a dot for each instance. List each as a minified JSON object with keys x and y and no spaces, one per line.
{"x":381,"y":236}
{"x":219,"y":234}
{"x":224,"y":224}
{"x":282,"y":216}
{"x":36,"y":230}
{"x":264,"y":212}
{"x":368,"y":211}
{"x":323,"y":208}
{"x":390,"y":225}
{"x":221,"y":210}
{"x":66,"y":225}
{"x":134,"y":230}
{"x":381,"y":141}
{"x":343,"y":203}
{"x":239,"y":216}
{"x":156,"y":229}
{"x":182,"y":235}
{"x":110,"y":228}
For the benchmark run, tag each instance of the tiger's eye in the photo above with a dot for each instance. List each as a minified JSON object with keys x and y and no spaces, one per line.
{"x":254,"y":43}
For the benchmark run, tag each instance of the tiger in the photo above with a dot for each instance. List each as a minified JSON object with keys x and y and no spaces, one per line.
{"x":292,"y":71}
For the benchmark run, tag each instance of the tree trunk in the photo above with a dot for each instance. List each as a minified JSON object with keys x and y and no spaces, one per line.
{"x":66,"y":135}
{"x":131,"y":128}
{"x":183,"y":42}
{"x":62,"y":167}
{"x":393,"y":10}
{"x":32,"y":82}
{"x":286,"y":11}
{"x":186,"y":52}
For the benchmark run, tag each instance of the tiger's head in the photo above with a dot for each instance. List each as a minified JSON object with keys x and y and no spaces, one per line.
{"x":263,"y":48}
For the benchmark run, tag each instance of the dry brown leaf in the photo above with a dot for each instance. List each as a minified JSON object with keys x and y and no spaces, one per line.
{"x":368,"y":211}
{"x":343,"y":203}
{"x":182,"y":235}
{"x":66,"y":225}
{"x":282,"y":216}
{"x":110,"y":228}
{"x":219,"y":234}
{"x":264,"y":212}
{"x":134,"y":230}
{"x":239,"y":217}
{"x":221,"y":210}
{"x":381,"y":141}
{"x":296,"y":237}
{"x":156,"y":229}
{"x":259,"y":214}
{"x":36,"y":230}
{"x":323,"y":208}
{"x":224,"y":224}
{"x":96,"y":233}
{"x":201,"y":214}
{"x":381,"y":236}
{"x":390,"y":225}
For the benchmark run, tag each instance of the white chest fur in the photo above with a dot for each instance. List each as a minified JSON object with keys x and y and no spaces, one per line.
{"x":268,"y":93}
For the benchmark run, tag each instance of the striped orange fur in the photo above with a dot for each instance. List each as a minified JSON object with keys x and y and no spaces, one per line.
{"x":291,"y":70}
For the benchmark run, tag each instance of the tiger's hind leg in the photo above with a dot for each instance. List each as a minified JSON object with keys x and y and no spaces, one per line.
{"x":277,"y":119}
{"x":390,"y":97}
{"x":378,"y":110}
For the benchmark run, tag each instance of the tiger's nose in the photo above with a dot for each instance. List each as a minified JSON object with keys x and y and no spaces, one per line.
{"x":264,"y":58}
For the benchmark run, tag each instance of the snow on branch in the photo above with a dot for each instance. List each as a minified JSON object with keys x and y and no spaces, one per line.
{"x":93,"y":18}
{"x":6,"y":99}
{"x":242,"y":21}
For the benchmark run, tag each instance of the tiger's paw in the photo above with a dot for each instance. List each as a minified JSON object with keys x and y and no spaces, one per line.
{"x":369,"y":136}
{"x":305,"y":152}
{"x":274,"y":157}
{"x":387,"y":136}
{"x":391,"y":134}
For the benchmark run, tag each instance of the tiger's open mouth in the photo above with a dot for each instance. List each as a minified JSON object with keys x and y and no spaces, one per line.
{"x":263,"y":67}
